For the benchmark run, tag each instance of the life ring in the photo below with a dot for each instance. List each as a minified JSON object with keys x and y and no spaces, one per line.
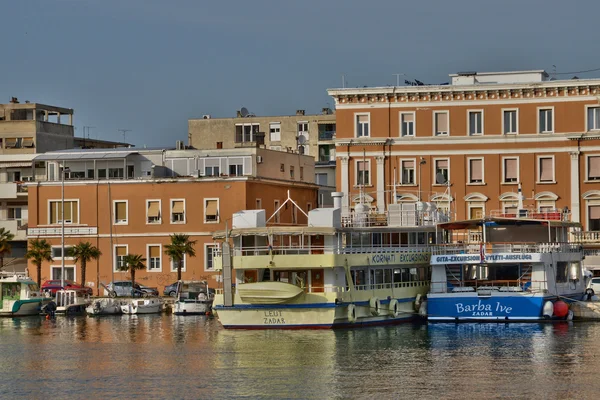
{"x":375,"y":306}
{"x":418,"y":300}
{"x":393,"y":308}
{"x":352,"y":313}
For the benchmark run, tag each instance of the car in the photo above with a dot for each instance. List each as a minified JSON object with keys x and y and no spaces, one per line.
{"x":52,"y":285}
{"x":595,"y":284}
{"x":170,"y":290}
{"x":123,"y":288}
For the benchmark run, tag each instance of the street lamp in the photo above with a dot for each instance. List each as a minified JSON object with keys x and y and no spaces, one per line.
{"x":421,"y":163}
{"x":62,"y":225}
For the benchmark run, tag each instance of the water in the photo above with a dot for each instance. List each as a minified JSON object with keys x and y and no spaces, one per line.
{"x":165,"y":356}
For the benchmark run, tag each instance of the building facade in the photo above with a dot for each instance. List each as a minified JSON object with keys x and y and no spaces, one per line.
{"x":468,"y":146}
{"x":311,"y":135}
{"x":128,"y":201}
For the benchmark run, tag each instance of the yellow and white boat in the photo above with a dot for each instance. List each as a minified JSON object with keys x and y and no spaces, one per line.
{"x":364,"y":269}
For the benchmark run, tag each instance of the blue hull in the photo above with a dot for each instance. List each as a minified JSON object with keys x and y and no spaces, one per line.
{"x":526,"y":307}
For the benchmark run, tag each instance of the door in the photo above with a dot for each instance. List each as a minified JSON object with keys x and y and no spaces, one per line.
{"x":317,"y":281}
{"x":250,"y":276}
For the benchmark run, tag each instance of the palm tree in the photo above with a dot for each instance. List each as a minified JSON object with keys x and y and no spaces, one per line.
{"x":84,"y":252}
{"x":5,"y":237}
{"x":180,"y":246}
{"x":39,"y":251}
{"x":132,"y":263}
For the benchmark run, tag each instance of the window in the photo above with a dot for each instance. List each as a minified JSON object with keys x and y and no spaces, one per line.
{"x":545,"y":120}
{"x":120,"y":253}
{"x":303,"y":129}
{"x":154,"y":257}
{"x":115,"y":173}
{"x":308,"y":207}
{"x":57,"y":252}
{"x":15,"y":213}
{"x":71,"y":212}
{"x":440,"y":123}
{"x":546,"y":205}
{"x":593,"y":168}
{"x":475,"y":123}
{"x":442,"y":172}
{"x":509,"y":208}
{"x":282,"y":167}
{"x":211,"y":170}
{"x":130,"y":172}
{"x":407,"y":173}
{"x":183,"y":264}
{"x":407,"y":123}
{"x":362,"y":125}
{"x":509,"y":122}
{"x":476,"y":210}
{"x":28,"y":142}
{"x":321,"y":179}
{"x":153,"y":211}
{"x":275,"y":131}
{"x":510,"y":170}
{"x":545,"y":169}
{"x":362,"y":173}
{"x":236,"y":169}
{"x":276,"y":205}
{"x":210,"y":251}
{"x":476,"y":170}
{"x":259,"y":204}
{"x":211,"y":210}
{"x":120,"y":212}
{"x":291,"y":172}
{"x":594,"y":218}
{"x":177,"y":211}
{"x":593,"y":118}
{"x":69,"y":273}
{"x":102,"y":173}
{"x":90,"y":174}
{"x":245,"y":132}
{"x":301,"y":173}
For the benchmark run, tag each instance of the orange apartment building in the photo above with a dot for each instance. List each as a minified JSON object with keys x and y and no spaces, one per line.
{"x":128,"y":201}
{"x":468,"y":145}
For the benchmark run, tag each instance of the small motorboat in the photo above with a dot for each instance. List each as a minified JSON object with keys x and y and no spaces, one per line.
{"x":193,"y":298}
{"x":104,"y":306}
{"x":71,"y":302}
{"x":142,"y":306}
{"x":19,"y":296}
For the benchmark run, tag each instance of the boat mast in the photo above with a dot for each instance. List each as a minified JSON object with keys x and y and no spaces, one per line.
{"x":62,"y":227}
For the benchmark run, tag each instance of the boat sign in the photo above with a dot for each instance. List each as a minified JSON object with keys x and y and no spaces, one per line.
{"x":494,"y":307}
{"x":486,"y":258}
{"x":399,"y":258}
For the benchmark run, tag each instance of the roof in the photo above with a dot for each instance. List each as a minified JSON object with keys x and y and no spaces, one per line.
{"x":474,"y":223}
{"x":277,"y":230}
{"x":85,"y":154}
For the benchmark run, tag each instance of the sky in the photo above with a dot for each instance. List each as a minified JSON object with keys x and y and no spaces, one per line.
{"x":150,"y":65}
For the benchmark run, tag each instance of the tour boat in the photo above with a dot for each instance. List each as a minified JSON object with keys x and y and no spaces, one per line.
{"x":364,"y":268}
{"x":104,"y":306}
{"x":19,"y":296}
{"x":193,"y":298}
{"x":506,"y":267}
{"x":142,"y":306}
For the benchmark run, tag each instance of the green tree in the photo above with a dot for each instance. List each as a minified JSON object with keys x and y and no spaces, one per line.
{"x":5,"y":237}
{"x":132,"y":263}
{"x":84,"y":252}
{"x":180,"y":246}
{"x":38,"y":252}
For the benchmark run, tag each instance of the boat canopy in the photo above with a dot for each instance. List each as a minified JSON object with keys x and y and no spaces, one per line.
{"x":278,"y":230}
{"x":494,"y":221}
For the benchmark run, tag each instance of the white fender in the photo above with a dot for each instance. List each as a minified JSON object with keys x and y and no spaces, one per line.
{"x":375,"y":306}
{"x":418,"y":300}
{"x":393,"y":308}
{"x":352,"y":313}
{"x":548,"y":310}
{"x":423,"y":309}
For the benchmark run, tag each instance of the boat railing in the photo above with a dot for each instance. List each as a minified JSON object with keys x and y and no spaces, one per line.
{"x":305,"y":250}
{"x":483,"y":287}
{"x":395,"y":285}
{"x":487,"y":248}
{"x":554,"y":214}
{"x":394,"y":218}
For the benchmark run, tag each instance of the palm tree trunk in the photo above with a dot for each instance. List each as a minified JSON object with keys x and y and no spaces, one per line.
{"x":83,"y":265}
{"x":178,"y":270}
{"x":39,"y":274}
{"x":132,"y":281}
{"x":1,"y":262}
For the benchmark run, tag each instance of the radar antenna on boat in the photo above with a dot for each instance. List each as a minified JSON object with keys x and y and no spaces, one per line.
{"x":284,"y":203}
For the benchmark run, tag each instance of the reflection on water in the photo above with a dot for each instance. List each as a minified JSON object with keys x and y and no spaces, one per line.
{"x":165,"y":356}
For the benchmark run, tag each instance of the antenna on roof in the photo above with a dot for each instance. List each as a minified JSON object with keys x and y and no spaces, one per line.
{"x":124,"y":132}
{"x":244,"y":112}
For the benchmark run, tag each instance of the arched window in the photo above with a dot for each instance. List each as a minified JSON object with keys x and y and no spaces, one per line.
{"x":545,"y":201}
{"x":475,"y":205}
{"x":442,"y":202}
{"x":510,"y":204}
{"x":592,"y":210}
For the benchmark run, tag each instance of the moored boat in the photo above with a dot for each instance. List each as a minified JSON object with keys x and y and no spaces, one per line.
{"x":104,"y":306}
{"x":367,"y":268}
{"x":506,"y":267}
{"x":71,"y":302}
{"x":142,"y":306}
{"x":19,"y":296}
{"x":193,"y":298}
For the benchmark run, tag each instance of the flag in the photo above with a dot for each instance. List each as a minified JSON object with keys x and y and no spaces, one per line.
{"x":482,"y":252}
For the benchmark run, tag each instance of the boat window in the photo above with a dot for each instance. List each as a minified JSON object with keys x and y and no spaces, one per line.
{"x":387,"y":276}
{"x":11,"y":291}
{"x":561,"y":271}
{"x":377,"y":239}
{"x":397,"y":275}
{"x":405,"y":275}
{"x":33,"y":287}
{"x":421,"y":237}
{"x":414,"y":275}
{"x":266,"y":275}
{"x":358,"y":277}
{"x":378,"y":276}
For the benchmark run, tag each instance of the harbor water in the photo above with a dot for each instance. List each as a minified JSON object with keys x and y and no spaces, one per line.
{"x":166,"y":356}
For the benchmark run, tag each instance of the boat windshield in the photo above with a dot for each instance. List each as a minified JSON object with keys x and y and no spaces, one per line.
{"x":10,"y":291}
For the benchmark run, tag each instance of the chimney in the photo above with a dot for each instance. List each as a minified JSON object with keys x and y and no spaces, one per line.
{"x":299,"y":112}
{"x":238,"y":114}
{"x":326,"y":111}
{"x":14,"y":100}
{"x":337,"y":199}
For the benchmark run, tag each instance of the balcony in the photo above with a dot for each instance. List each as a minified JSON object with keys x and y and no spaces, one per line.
{"x":587,"y":237}
{"x":326,"y":135}
{"x":17,"y":227}
{"x":56,"y":231}
{"x":547,"y":215}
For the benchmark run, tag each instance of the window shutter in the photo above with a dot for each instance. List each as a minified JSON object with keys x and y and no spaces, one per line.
{"x":121,"y":251}
{"x":476,"y":170}
{"x":154,"y":251}
{"x":441,"y":122}
{"x":546,"y":169}
{"x":408,"y":164}
{"x":178,"y":207}
{"x":121,"y":211}
{"x":442,"y":164}
{"x":153,"y":209}
{"x":594,"y":212}
{"x":363,"y":118}
{"x":594,"y":167}
{"x":510,"y":169}
{"x":211,"y":208}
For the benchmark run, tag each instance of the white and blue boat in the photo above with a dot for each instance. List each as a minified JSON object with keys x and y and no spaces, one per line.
{"x":508,"y":267}
{"x":19,"y":296}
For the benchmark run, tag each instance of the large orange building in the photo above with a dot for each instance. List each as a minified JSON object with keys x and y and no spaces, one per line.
{"x":130,"y":201}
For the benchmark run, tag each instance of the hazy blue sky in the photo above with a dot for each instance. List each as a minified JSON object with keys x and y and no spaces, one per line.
{"x":149,"y":65}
